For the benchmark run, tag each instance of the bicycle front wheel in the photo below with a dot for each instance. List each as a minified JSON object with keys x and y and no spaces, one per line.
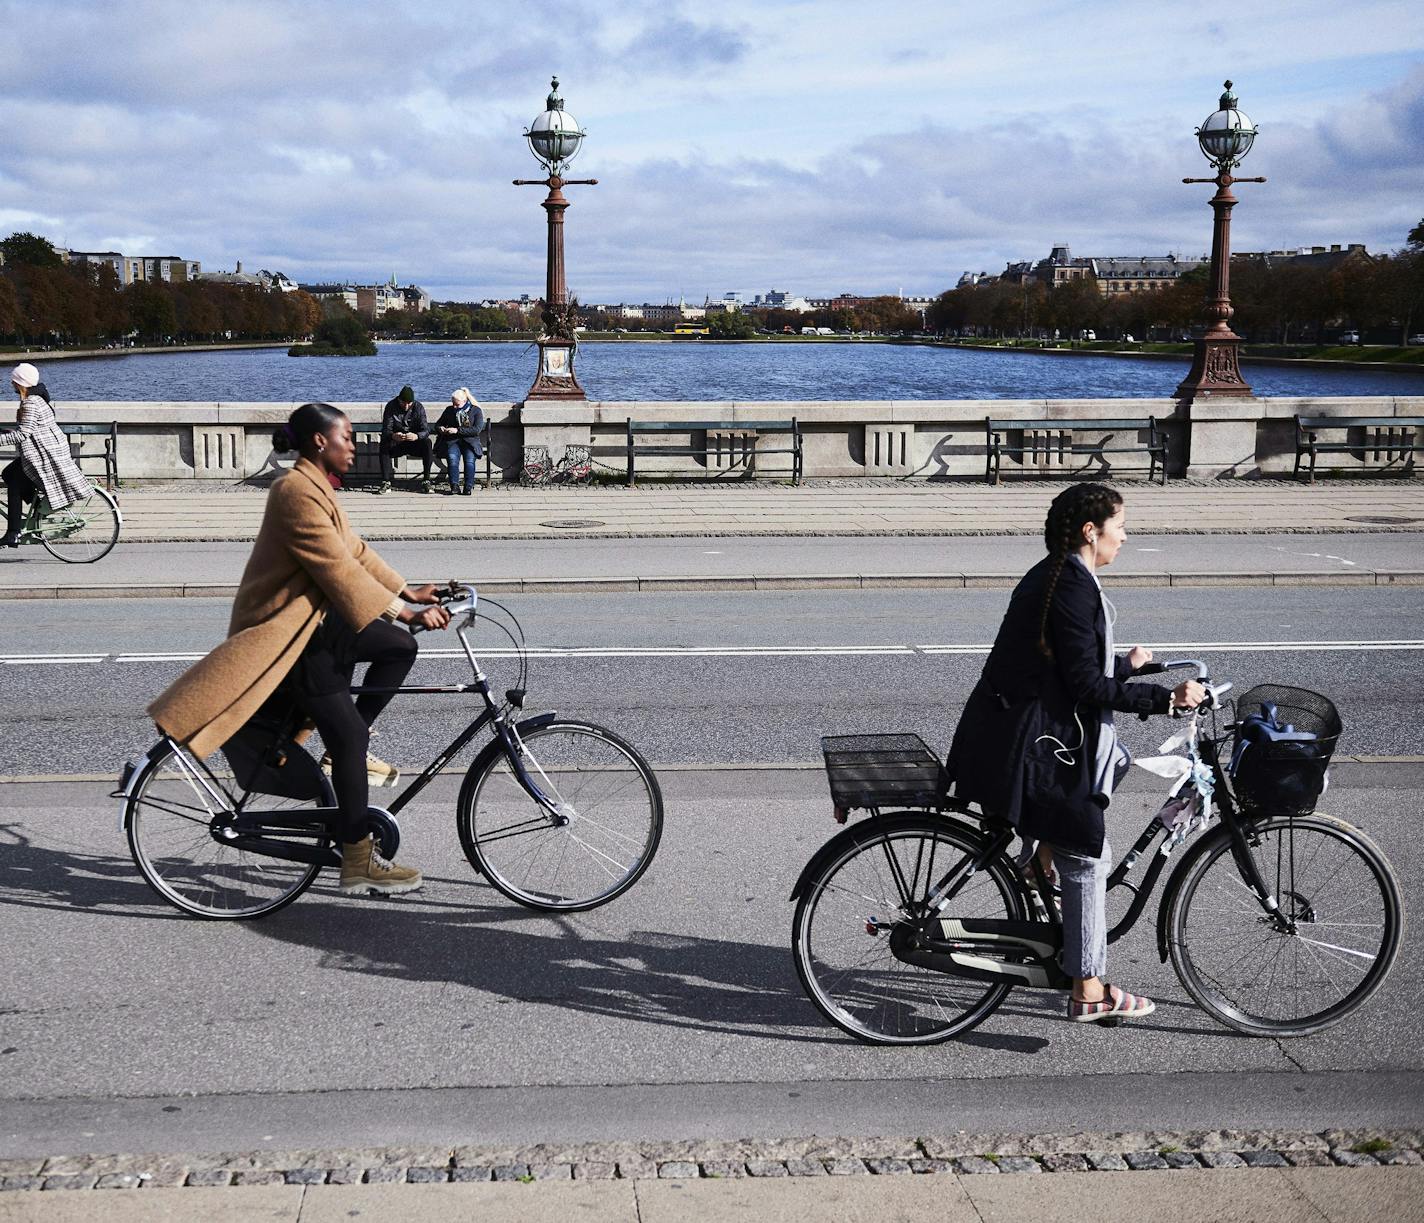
{"x":1339,"y":928}
{"x":84,"y":530}
{"x":168,"y":818}
{"x":598,"y":841}
{"x":841,"y":933}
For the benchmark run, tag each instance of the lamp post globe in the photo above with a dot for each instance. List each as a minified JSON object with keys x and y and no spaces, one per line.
{"x":1225,"y":137}
{"x":1227,"y":134}
{"x":554,"y":136}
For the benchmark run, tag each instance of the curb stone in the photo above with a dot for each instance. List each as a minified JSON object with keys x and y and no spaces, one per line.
{"x":963,"y":1155}
{"x":768,"y":582}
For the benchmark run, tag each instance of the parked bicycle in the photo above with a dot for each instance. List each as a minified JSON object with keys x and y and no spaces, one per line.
{"x":556,"y":813}
{"x":913,"y":926}
{"x":80,"y":533}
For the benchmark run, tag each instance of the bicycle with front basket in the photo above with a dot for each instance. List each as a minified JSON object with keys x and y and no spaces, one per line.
{"x":557,"y":813}
{"x":913,"y":926}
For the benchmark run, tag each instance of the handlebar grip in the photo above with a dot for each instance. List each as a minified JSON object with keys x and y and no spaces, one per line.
{"x":1151,"y":668}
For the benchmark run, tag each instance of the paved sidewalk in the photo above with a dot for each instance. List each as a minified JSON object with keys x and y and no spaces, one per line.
{"x":845,"y":507}
{"x":1223,"y":1175}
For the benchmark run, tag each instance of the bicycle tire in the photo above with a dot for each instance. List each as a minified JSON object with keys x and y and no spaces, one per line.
{"x":83,"y":531}
{"x":166,"y":819}
{"x":1210,"y":913}
{"x":918,"y":1015}
{"x":608,"y":790}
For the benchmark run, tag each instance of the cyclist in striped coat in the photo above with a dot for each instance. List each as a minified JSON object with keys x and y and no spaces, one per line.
{"x":44,"y":466}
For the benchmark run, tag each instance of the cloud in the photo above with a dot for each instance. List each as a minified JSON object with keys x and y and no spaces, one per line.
{"x":811,"y":146}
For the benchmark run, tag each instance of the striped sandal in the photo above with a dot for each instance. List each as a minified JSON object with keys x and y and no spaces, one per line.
{"x":1109,"y":1010}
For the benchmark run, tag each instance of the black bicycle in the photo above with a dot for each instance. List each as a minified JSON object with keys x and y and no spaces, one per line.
{"x":557,"y":813}
{"x":912,"y":927}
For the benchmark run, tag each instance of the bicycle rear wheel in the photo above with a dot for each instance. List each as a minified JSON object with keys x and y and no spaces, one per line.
{"x":1250,"y":971}
{"x":841,"y":931}
{"x":84,"y":530}
{"x":168,"y":818}
{"x":609,"y":821}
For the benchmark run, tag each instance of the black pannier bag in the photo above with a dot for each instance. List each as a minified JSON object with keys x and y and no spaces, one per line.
{"x":1281,"y":750}
{"x":264,"y":760}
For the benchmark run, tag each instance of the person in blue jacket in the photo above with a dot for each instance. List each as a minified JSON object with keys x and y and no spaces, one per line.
{"x":1036,"y":744}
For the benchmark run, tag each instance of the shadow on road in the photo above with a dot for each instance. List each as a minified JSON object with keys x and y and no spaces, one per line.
{"x":672,"y":980}
{"x":40,"y":877}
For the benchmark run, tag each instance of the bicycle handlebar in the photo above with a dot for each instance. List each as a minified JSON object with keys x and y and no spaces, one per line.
{"x":456,"y":598}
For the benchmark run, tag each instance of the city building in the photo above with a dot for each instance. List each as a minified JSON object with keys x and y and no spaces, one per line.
{"x":132,"y":268}
{"x":372,"y":301}
{"x":1328,"y":258}
{"x":777,"y":299}
{"x":261,"y":280}
{"x":1144,"y":273}
{"x":1113,"y":274}
{"x":344,"y":295}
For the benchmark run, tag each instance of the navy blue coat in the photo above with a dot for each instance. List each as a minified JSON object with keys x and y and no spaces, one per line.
{"x":997,"y":760}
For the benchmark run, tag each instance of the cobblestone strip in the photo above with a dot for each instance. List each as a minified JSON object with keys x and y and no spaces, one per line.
{"x":964,"y":1155}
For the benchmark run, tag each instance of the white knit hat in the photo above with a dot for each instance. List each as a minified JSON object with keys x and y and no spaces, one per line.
{"x":24,"y":374}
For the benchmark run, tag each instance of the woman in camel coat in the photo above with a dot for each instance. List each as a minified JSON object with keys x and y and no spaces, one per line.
{"x":315,"y":600}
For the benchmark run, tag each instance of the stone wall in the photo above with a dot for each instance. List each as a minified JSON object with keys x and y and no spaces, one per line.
{"x":1225,"y":438}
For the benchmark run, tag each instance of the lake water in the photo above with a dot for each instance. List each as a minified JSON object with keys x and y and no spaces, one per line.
{"x":629,"y":370}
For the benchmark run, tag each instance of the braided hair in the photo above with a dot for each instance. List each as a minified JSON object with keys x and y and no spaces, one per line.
{"x":1063,"y":535}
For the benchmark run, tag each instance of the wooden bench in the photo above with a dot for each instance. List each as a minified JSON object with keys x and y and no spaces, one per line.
{"x":1393,"y":436}
{"x":741,"y":452}
{"x":106,"y":447}
{"x":1044,"y":439}
{"x":368,"y":431}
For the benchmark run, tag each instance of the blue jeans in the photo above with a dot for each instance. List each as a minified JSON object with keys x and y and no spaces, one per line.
{"x":455,"y":450}
{"x":1085,"y":924}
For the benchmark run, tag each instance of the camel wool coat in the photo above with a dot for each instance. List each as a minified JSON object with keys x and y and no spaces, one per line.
{"x":305,"y":561}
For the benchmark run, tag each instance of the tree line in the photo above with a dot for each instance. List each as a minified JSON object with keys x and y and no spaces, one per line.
{"x":45,"y":301}
{"x":1279,"y":301}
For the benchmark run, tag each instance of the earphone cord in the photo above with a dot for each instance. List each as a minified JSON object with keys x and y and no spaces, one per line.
{"x":1063,"y":753}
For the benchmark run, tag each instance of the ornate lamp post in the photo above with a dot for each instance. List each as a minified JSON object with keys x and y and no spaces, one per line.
{"x":1225,"y":138}
{"x":554,"y":138}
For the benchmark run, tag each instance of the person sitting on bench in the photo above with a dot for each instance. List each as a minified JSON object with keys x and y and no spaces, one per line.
{"x":405,"y":431}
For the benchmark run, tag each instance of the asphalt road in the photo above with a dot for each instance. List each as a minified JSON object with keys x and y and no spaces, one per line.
{"x":676,"y":1006}
{"x":683,"y":983}
{"x":741,"y":676}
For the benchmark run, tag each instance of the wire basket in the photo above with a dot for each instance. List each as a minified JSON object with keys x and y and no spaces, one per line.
{"x":882,"y":771}
{"x":1287,"y":777}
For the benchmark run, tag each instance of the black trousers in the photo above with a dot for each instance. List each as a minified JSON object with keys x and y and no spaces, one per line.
{"x":424,"y":447}
{"x":19,"y":488}
{"x":319,"y":686}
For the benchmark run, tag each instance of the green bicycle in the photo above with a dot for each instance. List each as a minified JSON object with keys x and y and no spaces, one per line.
{"x":80,"y":532}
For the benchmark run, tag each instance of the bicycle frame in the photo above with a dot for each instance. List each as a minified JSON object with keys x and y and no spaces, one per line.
{"x":958,"y":947}
{"x":244,"y":828}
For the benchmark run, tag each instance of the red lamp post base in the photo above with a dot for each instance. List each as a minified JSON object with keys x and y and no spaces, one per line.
{"x":1216,"y":369}
{"x":556,"y":379}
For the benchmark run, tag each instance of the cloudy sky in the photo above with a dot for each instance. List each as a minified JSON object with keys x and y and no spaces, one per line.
{"x":810,"y":145}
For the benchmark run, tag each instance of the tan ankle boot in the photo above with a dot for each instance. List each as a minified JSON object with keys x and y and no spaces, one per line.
{"x":378,"y":772}
{"x":364,"y":872}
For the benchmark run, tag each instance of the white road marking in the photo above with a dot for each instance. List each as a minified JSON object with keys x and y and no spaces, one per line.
{"x":770,"y":651}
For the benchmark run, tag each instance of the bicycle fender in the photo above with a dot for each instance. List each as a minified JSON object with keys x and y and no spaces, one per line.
{"x":492,"y":749}
{"x":852,"y":834}
{"x":132,"y":773}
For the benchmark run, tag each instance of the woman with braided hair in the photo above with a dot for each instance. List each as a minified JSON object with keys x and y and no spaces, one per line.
{"x":1037,"y":745}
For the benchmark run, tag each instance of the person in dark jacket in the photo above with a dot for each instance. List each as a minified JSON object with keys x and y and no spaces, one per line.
{"x":459,"y":428}
{"x":1036,"y":744}
{"x":405,"y":430}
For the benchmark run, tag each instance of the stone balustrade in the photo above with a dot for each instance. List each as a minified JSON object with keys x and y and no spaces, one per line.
{"x":1207,"y":438}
